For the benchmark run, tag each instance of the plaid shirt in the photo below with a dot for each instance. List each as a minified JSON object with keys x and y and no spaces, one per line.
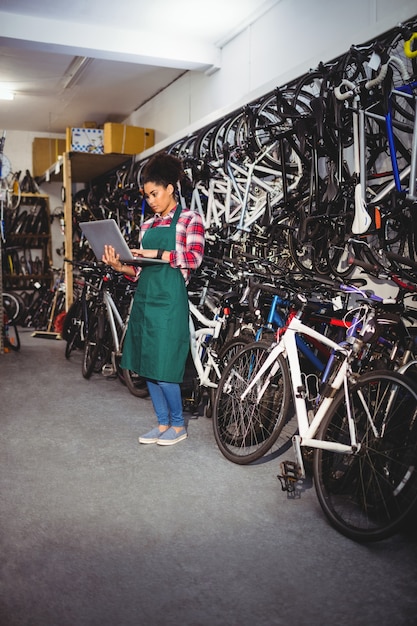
{"x":189,"y":249}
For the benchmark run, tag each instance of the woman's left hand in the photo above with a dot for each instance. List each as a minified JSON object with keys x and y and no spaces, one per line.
{"x":145,"y":253}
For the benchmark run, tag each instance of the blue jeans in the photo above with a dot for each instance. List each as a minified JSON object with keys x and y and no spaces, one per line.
{"x":167,"y":402}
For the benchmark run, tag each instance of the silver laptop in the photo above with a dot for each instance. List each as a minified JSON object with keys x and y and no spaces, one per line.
{"x":107,"y":233}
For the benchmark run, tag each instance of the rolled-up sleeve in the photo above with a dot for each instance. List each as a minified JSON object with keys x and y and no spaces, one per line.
{"x":189,"y":251}
{"x":189,"y":240}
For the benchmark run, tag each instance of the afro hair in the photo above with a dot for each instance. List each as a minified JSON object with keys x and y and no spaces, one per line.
{"x":163,"y":169}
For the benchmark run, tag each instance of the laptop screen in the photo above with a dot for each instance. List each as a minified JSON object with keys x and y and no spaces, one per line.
{"x":107,"y":233}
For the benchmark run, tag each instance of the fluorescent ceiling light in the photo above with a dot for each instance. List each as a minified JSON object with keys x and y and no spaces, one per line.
{"x":74,"y":71}
{"x":5,"y":92}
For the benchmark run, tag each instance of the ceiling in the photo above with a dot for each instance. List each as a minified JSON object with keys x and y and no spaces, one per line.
{"x":134,"y":49}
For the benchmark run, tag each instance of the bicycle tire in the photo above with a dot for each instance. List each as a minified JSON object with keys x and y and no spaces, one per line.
{"x":74,"y":343}
{"x":367,"y":496}
{"x":72,"y":328}
{"x":301,"y":252}
{"x":93,"y":344}
{"x":11,"y":335}
{"x":228,"y":350}
{"x":136,"y":384}
{"x":400,"y":238}
{"x":269,"y":121}
{"x":245,"y":430}
{"x":218,"y":138}
{"x":40,"y":316}
{"x":202,"y":143}
{"x":73,"y":314}
{"x":15,"y":306}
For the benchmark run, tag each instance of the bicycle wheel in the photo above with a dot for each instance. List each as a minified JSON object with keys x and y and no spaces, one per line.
{"x":400,"y":234}
{"x":218,"y":139}
{"x":11,"y":335}
{"x":15,"y":306}
{"x":227,"y":352}
{"x":246,"y":430}
{"x":135,"y":383}
{"x":368,"y":495}
{"x":93,"y":344}
{"x":302,"y":252}
{"x":73,"y":324}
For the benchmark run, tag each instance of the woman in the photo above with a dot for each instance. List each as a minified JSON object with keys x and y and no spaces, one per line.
{"x":157,"y":340}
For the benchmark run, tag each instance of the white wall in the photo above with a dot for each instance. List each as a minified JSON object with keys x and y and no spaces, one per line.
{"x":291,"y":38}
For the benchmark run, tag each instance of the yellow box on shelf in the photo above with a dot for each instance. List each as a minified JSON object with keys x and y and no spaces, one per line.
{"x":123,"y":139}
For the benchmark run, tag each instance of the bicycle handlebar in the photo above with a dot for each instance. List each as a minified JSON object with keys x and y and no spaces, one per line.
{"x":271,"y":289}
{"x":369,"y":267}
{"x":405,"y":285}
{"x":92,"y":264}
{"x":396,"y":61}
{"x":354,"y":89}
{"x":96,"y":268}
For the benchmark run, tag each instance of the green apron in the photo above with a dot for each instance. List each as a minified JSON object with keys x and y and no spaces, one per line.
{"x":158,"y":338}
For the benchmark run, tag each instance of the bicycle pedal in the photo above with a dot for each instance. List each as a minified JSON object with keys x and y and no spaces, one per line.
{"x":108,"y":369}
{"x":289,"y":477}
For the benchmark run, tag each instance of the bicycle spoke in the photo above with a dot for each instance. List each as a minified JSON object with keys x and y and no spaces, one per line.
{"x":246,"y":430}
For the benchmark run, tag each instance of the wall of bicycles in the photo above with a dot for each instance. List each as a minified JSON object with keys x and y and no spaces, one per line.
{"x":308,"y":176}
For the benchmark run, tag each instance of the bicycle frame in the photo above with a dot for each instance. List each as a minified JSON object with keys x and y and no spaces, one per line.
{"x":307,"y":431}
{"x":248,"y":173}
{"x":277,"y":321}
{"x":407,"y":92}
{"x":115,"y":320}
{"x":212,"y":329}
{"x":410,"y":170}
{"x":118,"y":326}
{"x":362,"y":219}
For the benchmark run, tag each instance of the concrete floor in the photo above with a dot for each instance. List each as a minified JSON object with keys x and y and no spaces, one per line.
{"x":97,"y":530}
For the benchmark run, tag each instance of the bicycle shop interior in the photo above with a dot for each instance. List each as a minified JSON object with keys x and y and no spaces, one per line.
{"x":295,"y":187}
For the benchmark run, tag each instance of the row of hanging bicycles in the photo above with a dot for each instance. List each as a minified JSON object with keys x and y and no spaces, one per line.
{"x":311,"y":174}
{"x":307,"y":196}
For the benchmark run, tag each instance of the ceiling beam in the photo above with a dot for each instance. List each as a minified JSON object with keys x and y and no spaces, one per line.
{"x":101,"y":42}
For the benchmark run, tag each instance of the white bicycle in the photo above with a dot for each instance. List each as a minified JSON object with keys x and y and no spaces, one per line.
{"x":362,"y":429}
{"x":209,"y":352}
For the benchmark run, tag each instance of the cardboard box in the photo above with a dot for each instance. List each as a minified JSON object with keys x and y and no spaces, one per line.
{"x":88,"y":140}
{"x":123,"y":139}
{"x":45,"y":152}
